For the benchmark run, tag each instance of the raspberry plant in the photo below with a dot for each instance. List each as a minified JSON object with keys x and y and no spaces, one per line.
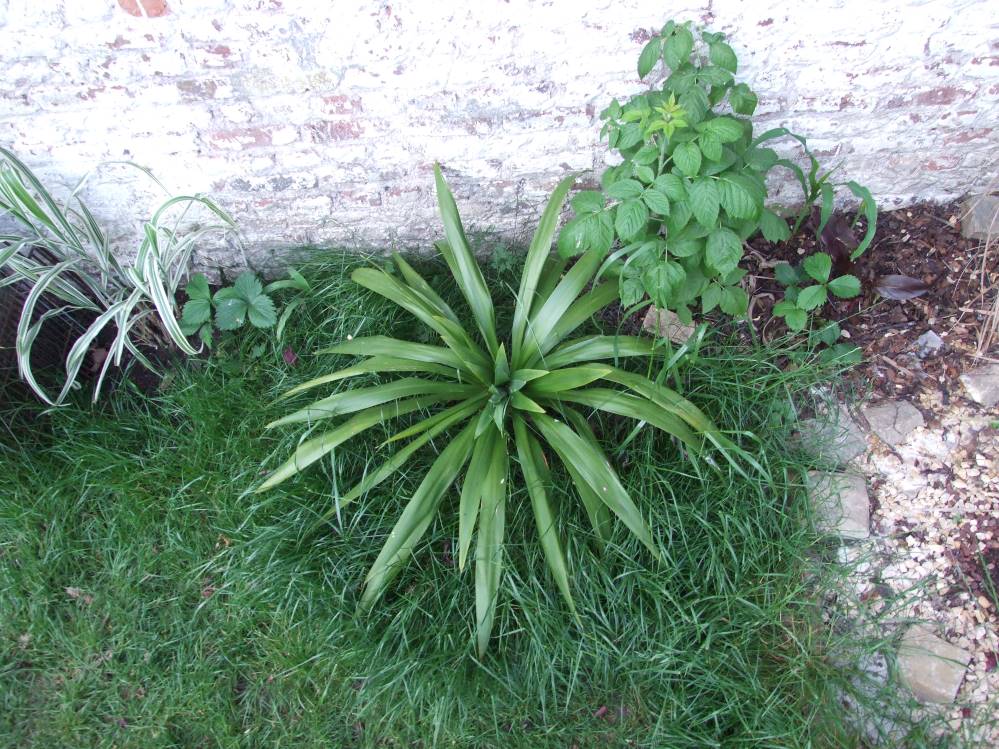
{"x":691,"y":186}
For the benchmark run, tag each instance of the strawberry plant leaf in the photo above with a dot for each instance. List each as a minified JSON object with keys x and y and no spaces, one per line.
{"x":818,"y":266}
{"x":260,"y":312}
{"x":845,"y":286}
{"x":230,"y":313}
{"x":812,"y":297}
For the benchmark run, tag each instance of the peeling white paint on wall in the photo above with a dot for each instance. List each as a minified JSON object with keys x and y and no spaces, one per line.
{"x":318,"y":123}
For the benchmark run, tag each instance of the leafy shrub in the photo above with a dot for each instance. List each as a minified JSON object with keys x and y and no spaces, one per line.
{"x":528,"y":385}
{"x":246,"y":301}
{"x":692,"y":184}
{"x":85,"y":274}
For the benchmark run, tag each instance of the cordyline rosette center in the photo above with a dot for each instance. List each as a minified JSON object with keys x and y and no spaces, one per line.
{"x":515,"y":399}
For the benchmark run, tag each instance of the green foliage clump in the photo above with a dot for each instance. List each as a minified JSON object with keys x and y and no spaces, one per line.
{"x":513,"y":398}
{"x":691,"y":186}
{"x":246,"y":301}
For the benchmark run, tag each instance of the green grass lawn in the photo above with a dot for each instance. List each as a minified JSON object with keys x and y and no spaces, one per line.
{"x":149,"y":599}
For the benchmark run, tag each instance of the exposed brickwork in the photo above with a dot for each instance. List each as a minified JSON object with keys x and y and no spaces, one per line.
{"x":319,"y":122}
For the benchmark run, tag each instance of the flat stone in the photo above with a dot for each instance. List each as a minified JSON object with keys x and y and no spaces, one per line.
{"x":929,"y":344}
{"x":893,"y":421}
{"x":841,"y":504}
{"x":662,"y":322}
{"x":980,"y":217}
{"x":932,"y":668}
{"x":837,"y":438}
{"x":982,"y":385}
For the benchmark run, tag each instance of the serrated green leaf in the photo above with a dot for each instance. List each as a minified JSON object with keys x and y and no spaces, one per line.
{"x":197,"y":311}
{"x":687,"y":157}
{"x":631,"y":218}
{"x":647,"y":154}
{"x":811,"y":297}
{"x":723,"y":56}
{"x":742,"y":99}
{"x":678,"y":47}
{"x":645,"y":174}
{"x":736,"y":198}
{"x":197,"y":287}
{"x":785,"y":274}
{"x":260,"y":312}
{"x":629,"y":135}
{"x":725,"y":129}
{"x":671,"y":186}
{"x":710,"y":146}
{"x":587,"y":201}
{"x":795,"y":317}
{"x":774,"y":228}
{"x":248,"y":286}
{"x":723,"y":251}
{"x":656,"y":201}
{"x":704,"y":203}
{"x":845,"y":287}
{"x":625,"y":189}
{"x":818,"y":266}
{"x":710,"y":298}
{"x":734,"y":301}
{"x":650,"y":56}
{"x":714,"y":75}
{"x":230,"y":314}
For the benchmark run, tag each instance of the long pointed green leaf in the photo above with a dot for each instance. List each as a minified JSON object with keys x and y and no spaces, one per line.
{"x":453,"y":335}
{"x":596,"y":510}
{"x":543,"y":322}
{"x":673,"y":402}
{"x":380,"y":345}
{"x":633,"y":407}
{"x":416,"y":517}
{"x":489,"y":546}
{"x":579,"y":312}
{"x":462,"y":263}
{"x":471,"y":492}
{"x":597,"y":347}
{"x":456,"y":414}
{"x":595,"y":470}
{"x":350,"y":401}
{"x":544,"y":518}
{"x":534,"y":264}
{"x":417,"y":282}
{"x":374,"y":364}
{"x":318,"y":447}
{"x":570,"y":378}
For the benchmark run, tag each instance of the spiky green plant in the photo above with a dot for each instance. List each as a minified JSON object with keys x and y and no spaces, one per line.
{"x":507,"y":395}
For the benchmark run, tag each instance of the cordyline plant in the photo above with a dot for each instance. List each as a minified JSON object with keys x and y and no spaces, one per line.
{"x":508,"y":397}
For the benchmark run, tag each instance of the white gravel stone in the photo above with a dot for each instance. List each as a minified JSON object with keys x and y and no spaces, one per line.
{"x":980,"y":218}
{"x":837,"y":438}
{"x":893,"y":421}
{"x":931,"y":667}
{"x":982,"y":385}
{"x":929,"y":344}
{"x":841,"y":504}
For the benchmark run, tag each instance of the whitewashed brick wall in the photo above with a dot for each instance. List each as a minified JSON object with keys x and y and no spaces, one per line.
{"x":318,"y":121}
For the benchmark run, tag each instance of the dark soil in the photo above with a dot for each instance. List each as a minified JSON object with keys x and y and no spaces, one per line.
{"x":924,"y":242}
